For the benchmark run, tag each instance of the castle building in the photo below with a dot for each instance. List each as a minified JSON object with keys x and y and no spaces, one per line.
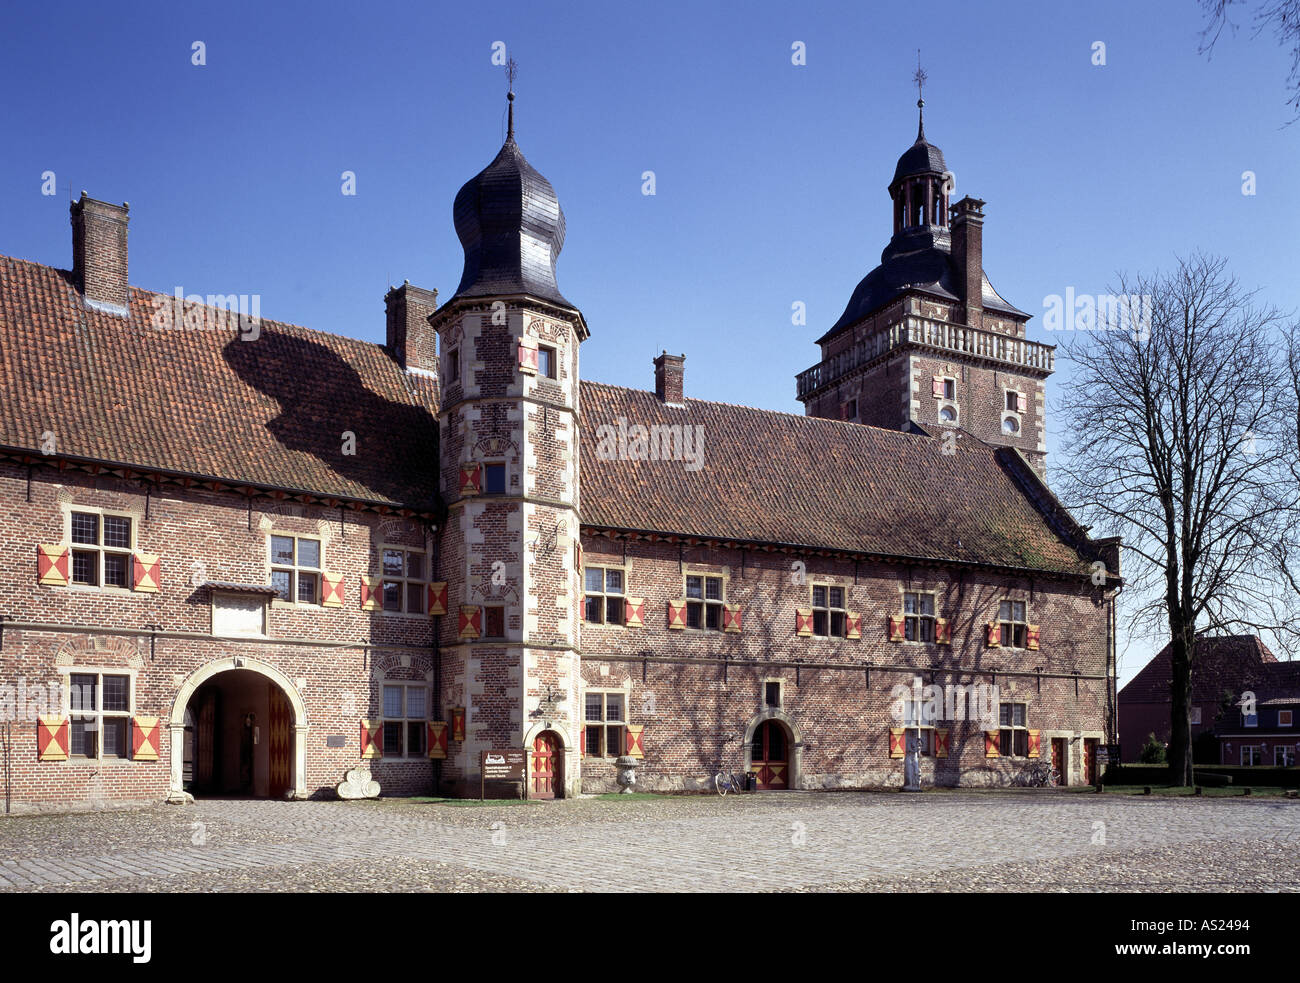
{"x":242,"y":556}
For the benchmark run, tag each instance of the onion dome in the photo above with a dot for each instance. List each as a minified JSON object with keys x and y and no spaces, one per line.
{"x":511,"y":227}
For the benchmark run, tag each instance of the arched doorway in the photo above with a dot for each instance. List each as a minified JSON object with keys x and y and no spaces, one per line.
{"x":546,"y":767}
{"x":769,"y":755}
{"x":239,"y":726}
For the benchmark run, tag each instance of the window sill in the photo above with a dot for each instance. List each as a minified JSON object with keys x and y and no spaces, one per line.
{"x":97,"y":589}
{"x":278,"y":604}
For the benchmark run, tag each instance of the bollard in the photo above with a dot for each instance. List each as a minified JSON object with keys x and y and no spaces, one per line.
{"x":1146,"y":789}
{"x":1246,"y":790}
{"x":1198,"y":790}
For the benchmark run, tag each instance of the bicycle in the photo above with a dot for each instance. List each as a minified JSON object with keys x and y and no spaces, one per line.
{"x":727,"y":781}
{"x":1039,"y":775}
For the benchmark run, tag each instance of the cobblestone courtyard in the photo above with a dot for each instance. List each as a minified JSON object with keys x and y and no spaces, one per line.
{"x":941,"y":840}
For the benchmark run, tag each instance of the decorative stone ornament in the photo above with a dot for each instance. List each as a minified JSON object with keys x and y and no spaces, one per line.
{"x":358,"y":784}
{"x":626,"y":777}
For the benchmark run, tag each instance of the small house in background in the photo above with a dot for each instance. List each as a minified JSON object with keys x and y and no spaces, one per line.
{"x":1225,"y":666}
{"x":1266,"y":730}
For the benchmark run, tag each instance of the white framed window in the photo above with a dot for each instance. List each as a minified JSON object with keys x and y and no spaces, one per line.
{"x":406,"y":711}
{"x":705,"y":597}
{"x":948,"y":413}
{"x":1284,"y":718}
{"x":605,"y":723}
{"x":603,"y":602}
{"x":546,"y":361}
{"x":916,"y":725}
{"x":918,"y":616}
{"x":1252,"y":754}
{"x":1283,"y":756}
{"x":102,"y":544}
{"x":1013,"y":624}
{"x":1013,"y":730}
{"x":950,"y":389}
{"x":406,"y":579}
{"x":99,"y":707}
{"x":773,"y":694}
{"x":1249,"y":719}
{"x":295,"y":568}
{"x":238,"y":614}
{"x":828,"y":610}
{"x":494,"y":478}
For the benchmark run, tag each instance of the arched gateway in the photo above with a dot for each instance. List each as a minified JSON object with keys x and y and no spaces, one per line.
{"x":249,"y":731}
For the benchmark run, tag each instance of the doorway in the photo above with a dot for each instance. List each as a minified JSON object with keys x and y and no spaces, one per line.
{"x":769,"y":755}
{"x":546,"y":767}
{"x":1090,"y":760}
{"x":1061,"y":758}
{"x":242,"y":740}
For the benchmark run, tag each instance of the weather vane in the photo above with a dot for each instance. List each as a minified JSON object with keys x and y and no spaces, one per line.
{"x":919,"y":78}
{"x":512,"y":70}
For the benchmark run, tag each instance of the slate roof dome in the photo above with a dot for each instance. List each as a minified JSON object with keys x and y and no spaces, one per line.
{"x":511,"y":227}
{"x":922,"y":157}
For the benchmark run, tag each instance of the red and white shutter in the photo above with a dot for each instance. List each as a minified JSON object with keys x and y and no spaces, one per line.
{"x":145,"y":738}
{"x":146,"y":573}
{"x":372,"y":739}
{"x":331,"y":590}
{"x":437,"y":734}
{"x":1022,"y":403}
{"x":635,"y":740}
{"x":897,"y":742}
{"x":852,"y":624}
{"x":803,"y":622}
{"x":731,"y":615}
{"x":991,"y":744}
{"x":528,"y":356}
{"x":51,"y":738}
{"x":471,"y":478}
{"x":677,"y":614}
{"x":372,"y":593}
{"x":438,"y":598}
{"x":942,"y":631}
{"x":941,"y":740}
{"x":897,"y":629}
{"x":1035,"y":743}
{"x":1031,"y":636}
{"x":936,"y":386}
{"x":470,"y":622}
{"x":634,"y":612}
{"x":993,"y":634}
{"x":53,"y":565}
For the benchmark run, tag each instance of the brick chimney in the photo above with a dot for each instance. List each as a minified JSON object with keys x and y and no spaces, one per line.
{"x":968,"y":255}
{"x":669,"y":379}
{"x":411,"y":340}
{"x":99,"y":254}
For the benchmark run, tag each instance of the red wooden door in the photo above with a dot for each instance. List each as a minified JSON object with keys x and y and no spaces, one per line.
{"x":1090,"y":760}
{"x":1059,"y":759}
{"x":770,"y":755}
{"x":205,"y":751}
{"x":280,"y":743}
{"x":545,"y":766}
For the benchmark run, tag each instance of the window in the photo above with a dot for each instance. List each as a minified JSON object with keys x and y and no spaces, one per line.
{"x":604,"y":595}
{"x":1284,"y":756}
{"x":918,"y":616}
{"x":406,"y":708}
{"x":772,"y":693}
{"x":1010,"y":425}
{"x":405,"y":580}
{"x":101,"y":549}
{"x":950,"y":389}
{"x":494,"y":621}
{"x":295,"y":569}
{"x":605,"y":725}
{"x":704,"y":602}
{"x":1013,"y":401}
{"x":1013,"y":733}
{"x":1013,"y":626}
{"x":1252,"y":755}
{"x":453,"y":365}
{"x":828,"y":611}
{"x":100,"y":710}
{"x":947,"y":414}
{"x":1284,"y":718}
{"x":1194,"y":715}
{"x":494,"y":479}
{"x":849,"y":410}
{"x":1249,"y":719}
{"x":546,"y":361}
{"x":917,"y":726}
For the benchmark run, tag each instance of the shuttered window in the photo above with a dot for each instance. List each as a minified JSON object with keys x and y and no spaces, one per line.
{"x":918,"y":616}
{"x":101,"y":549}
{"x":405,"y":581}
{"x":100,"y":711}
{"x":1013,"y":730}
{"x":704,"y":602}
{"x":828,"y":610}
{"x":295,"y":569}
{"x":603,"y":600}
{"x":406,"y":711}
{"x":1013,"y":628}
{"x":605,"y":724}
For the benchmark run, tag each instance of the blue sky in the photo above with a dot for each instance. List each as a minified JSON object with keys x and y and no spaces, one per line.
{"x":770,"y":177}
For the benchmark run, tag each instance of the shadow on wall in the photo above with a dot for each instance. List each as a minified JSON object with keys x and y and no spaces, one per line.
{"x":321,"y":398}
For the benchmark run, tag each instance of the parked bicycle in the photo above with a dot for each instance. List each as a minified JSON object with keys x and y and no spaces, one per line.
{"x":725,"y":780}
{"x":1040,"y":774}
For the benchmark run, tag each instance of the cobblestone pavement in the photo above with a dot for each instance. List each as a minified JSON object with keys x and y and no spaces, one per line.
{"x":842,"y":841}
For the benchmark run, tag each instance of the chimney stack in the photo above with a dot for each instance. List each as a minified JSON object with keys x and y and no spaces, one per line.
{"x":411,"y":339}
{"x":669,"y":379}
{"x":99,"y":254}
{"x":968,"y":254}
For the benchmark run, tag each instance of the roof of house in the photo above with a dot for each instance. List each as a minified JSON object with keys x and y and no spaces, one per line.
{"x":1231,"y":663}
{"x":778,"y":478}
{"x":271,"y":411}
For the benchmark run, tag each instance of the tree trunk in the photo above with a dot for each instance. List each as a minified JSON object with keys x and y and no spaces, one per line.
{"x":1181,"y":652}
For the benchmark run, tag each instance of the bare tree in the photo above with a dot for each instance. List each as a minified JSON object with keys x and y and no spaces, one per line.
{"x":1281,"y":16}
{"x":1179,"y":444}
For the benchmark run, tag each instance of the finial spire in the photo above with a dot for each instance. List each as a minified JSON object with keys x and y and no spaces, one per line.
{"x":512,"y":70}
{"x":920,"y":79}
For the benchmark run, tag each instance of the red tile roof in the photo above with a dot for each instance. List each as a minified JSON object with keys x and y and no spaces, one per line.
{"x":780,"y":478}
{"x":1230,"y":663}
{"x":267,"y":412}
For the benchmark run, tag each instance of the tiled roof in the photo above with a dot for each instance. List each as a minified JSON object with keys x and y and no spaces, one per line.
{"x":795,"y":480}
{"x":1231,"y":663}
{"x":267,"y":412}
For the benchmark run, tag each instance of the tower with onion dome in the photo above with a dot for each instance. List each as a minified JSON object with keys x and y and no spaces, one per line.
{"x":508,"y":342}
{"x":925,"y":342}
